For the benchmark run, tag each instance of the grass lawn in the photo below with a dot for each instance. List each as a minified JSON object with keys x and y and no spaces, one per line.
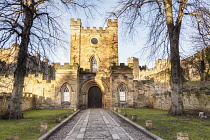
{"x":167,"y":126}
{"x":29,"y":128}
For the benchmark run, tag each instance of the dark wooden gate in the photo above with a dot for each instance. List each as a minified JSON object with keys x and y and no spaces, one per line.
{"x":94,"y":97}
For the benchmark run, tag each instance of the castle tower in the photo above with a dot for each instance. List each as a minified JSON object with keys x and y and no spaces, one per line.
{"x":94,"y":49}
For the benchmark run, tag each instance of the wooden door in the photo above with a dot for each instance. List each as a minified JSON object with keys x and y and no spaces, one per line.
{"x":94,"y":97}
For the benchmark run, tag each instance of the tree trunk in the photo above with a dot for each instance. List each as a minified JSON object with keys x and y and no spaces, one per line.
{"x":177,"y":107}
{"x":14,"y":108}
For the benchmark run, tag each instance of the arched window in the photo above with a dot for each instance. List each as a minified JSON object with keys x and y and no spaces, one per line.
{"x":66,"y":95}
{"x":94,"y":65}
{"x":122,"y":93}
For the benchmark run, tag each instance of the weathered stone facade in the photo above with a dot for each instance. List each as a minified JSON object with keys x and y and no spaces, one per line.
{"x":94,"y":77}
{"x":27,"y":102}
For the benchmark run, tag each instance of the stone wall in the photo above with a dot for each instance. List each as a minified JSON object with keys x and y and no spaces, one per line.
{"x":27,"y":102}
{"x":32,"y":84}
{"x":146,"y":89}
{"x":196,"y":95}
{"x":47,"y":89}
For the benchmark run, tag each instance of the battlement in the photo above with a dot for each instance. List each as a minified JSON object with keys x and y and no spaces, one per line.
{"x":82,"y":70}
{"x":60,"y":66}
{"x":94,"y":29}
{"x":112,"y":23}
{"x":37,"y":55}
{"x":161,"y":66}
{"x":75,"y":23}
{"x":8,"y":94}
{"x":39,"y":75}
{"x":162,"y":61}
{"x":121,"y":66}
{"x":147,"y":70}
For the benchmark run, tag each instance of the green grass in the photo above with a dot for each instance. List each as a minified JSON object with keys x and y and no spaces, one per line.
{"x":29,"y":127}
{"x":167,"y":126}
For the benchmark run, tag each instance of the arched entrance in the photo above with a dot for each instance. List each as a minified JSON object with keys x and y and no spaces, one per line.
{"x":94,"y":97}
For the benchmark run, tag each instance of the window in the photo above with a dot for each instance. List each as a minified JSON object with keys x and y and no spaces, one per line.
{"x":122,"y":93}
{"x":66,"y":95}
{"x":94,"y":65}
{"x":94,"y":40}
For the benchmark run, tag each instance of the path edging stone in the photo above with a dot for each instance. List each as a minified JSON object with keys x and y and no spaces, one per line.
{"x":139,"y":127}
{"x":48,"y":133}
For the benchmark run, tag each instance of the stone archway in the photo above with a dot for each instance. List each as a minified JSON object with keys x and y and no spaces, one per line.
{"x":83,"y":96}
{"x":94,"y":97}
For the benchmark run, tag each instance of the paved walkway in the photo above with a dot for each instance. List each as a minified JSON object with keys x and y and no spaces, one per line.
{"x":97,"y":124}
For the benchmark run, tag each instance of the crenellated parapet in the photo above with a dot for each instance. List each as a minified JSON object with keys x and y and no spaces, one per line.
{"x":60,"y":66}
{"x":122,"y":68}
{"x":148,"y":70}
{"x":112,"y":22}
{"x":78,"y":23}
{"x":162,"y":65}
{"x":94,"y":30}
{"x":85,"y":70}
{"x":75,"y":22}
{"x":8,"y":95}
{"x":65,"y":66}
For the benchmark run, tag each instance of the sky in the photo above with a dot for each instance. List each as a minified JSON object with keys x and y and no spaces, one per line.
{"x":128,"y":46}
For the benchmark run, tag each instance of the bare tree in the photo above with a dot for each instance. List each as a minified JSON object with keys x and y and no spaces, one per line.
{"x":33,"y":25}
{"x":165,"y":18}
{"x":202,"y":38}
{"x":203,"y":25}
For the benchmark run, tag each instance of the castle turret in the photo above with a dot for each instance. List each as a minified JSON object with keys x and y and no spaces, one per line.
{"x":75,"y":38}
{"x":37,"y":55}
{"x":111,"y":23}
{"x":134,"y":63}
{"x":113,"y":42}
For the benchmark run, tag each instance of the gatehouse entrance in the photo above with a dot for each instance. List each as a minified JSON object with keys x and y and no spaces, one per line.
{"x":94,"y":97}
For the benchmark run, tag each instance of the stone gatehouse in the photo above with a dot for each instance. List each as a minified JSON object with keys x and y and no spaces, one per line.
{"x":94,"y":78}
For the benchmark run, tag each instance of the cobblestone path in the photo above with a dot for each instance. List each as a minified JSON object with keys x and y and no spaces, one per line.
{"x":97,"y":124}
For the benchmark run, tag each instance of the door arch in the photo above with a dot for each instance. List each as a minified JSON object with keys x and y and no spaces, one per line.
{"x":94,"y":97}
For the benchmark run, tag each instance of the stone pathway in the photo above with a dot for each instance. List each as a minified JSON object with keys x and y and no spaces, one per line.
{"x":95,"y":124}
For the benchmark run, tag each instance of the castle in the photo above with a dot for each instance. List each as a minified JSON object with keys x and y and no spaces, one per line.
{"x":93,"y":78}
